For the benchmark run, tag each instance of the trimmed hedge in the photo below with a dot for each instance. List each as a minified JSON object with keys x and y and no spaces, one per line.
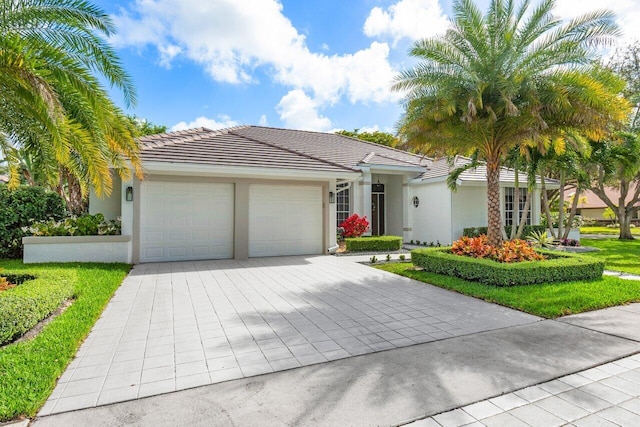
{"x":374,"y":243}
{"x":527,"y":230}
{"x":21,"y":207}
{"x":557,"y":268}
{"x":22,"y":307}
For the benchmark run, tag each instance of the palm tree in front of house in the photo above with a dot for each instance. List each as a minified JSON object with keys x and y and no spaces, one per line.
{"x":53,"y":106}
{"x":512,"y":75}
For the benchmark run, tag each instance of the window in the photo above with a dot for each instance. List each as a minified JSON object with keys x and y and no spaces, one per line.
{"x":513,"y":210}
{"x":342,"y":203}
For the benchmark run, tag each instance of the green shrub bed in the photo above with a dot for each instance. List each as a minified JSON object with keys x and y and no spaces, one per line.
{"x":22,"y":307}
{"x":556,"y":268}
{"x":20,"y":208}
{"x":374,"y":243}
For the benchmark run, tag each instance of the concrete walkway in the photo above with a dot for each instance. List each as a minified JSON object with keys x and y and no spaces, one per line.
{"x":175,"y":326}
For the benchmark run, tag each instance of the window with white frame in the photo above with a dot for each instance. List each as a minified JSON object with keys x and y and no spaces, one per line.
{"x":513,"y":208}
{"x":342,"y":203}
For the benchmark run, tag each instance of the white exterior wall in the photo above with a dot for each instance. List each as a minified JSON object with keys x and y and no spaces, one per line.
{"x":431,"y":220}
{"x":77,"y":249}
{"x":469,"y":209}
{"x":110,"y":205}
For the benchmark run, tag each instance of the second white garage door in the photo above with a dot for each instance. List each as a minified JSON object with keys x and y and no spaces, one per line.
{"x":186,"y":221}
{"x":285,"y":220}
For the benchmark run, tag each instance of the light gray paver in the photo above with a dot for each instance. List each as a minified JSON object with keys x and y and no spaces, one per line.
{"x":170,"y":322}
{"x":557,"y":403}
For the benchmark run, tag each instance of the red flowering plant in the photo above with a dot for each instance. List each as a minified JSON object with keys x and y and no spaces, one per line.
{"x":354,"y":226}
{"x":511,"y":251}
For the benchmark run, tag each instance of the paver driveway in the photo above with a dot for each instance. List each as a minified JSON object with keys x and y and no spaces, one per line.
{"x":174,"y":326}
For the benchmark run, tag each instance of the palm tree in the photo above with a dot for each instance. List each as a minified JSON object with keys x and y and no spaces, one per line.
{"x":52,"y":104}
{"x":515,"y":74}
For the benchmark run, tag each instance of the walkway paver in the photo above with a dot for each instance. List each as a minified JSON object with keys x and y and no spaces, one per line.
{"x":175,"y":326}
{"x":607,"y":395}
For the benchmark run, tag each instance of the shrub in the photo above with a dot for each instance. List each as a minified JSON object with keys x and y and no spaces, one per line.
{"x":354,"y":226}
{"x":376,"y":243}
{"x":478,"y":231}
{"x":556,"y":268}
{"x":510,"y":251}
{"x":540,"y":239}
{"x":85,"y":225}
{"x":22,"y":307}
{"x":20,"y":208}
{"x":569,"y":242}
{"x":373,"y":259}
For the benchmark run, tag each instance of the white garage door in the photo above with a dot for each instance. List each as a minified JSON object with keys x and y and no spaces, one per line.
{"x":285,"y":220}
{"x":186,"y":221}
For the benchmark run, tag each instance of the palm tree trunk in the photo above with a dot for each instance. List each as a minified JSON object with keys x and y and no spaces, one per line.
{"x":572,"y":213}
{"x":494,"y":232}
{"x":561,"y":205}
{"x":523,"y":217}
{"x":545,"y":206}
{"x":516,"y":204}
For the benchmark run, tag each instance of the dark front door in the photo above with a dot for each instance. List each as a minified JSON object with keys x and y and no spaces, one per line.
{"x":377,"y":210}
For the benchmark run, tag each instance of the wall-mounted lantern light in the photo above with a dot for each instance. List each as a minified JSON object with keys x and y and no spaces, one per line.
{"x":332,"y":197}
{"x":129,"y":194}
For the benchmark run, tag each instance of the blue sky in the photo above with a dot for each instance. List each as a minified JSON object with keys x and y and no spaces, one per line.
{"x":304,"y":64}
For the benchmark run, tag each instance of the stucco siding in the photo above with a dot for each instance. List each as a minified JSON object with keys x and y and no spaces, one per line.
{"x":469,"y":209}
{"x":431,"y":220}
{"x":109,"y":206}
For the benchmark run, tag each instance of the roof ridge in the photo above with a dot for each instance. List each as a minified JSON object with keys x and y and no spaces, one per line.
{"x":350,"y":137}
{"x":188,"y":135}
{"x":397,"y":160}
{"x":309,"y":156}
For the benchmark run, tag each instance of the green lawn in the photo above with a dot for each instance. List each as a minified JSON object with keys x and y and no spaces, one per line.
{"x":546,"y":300}
{"x":618,"y":255}
{"x":606,"y":230}
{"x":28,"y":370}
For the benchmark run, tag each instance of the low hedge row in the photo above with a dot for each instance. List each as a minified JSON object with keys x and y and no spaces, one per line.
{"x":22,"y":307}
{"x":527,"y":230}
{"x":557,"y":268}
{"x":374,"y":243}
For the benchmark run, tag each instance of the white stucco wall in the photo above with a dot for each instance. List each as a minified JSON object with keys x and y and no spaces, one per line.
{"x":77,"y":249}
{"x":469,"y":209}
{"x":393,"y":204}
{"x":431,"y":220}
{"x":109,"y":206}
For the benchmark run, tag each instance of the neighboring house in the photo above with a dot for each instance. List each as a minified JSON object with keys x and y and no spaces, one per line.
{"x":252,"y":191}
{"x":592,"y":207}
{"x":4,"y":179}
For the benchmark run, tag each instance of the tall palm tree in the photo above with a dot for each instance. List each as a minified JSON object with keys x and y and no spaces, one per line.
{"x":511,"y":75}
{"x":53,"y":106}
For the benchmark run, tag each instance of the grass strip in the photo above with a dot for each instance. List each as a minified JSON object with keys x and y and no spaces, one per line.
{"x":29,"y":369}
{"x":549,"y":300}
{"x":618,"y":255}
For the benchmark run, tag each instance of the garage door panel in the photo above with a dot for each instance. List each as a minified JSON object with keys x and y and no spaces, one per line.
{"x":285,"y":220}
{"x":186,"y":221}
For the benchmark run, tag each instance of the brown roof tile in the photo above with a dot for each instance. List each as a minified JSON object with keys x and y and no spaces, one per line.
{"x":272,"y":148}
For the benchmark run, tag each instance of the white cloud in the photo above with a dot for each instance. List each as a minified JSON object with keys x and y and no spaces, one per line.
{"x":627,"y":12}
{"x":230,"y":38}
{"x":221,"y":122}
{"x":263,"y":120}
{"x":299,"y":111}
{"x":413,"y":19}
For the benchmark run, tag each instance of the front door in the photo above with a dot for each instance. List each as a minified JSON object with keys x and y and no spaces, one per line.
{"x":377,"y":209}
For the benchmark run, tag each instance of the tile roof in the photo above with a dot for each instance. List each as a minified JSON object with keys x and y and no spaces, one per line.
{"x":442,"y":167}
{"x":259,"y":146}
{"x":589,"y":200}
{"x":343,"y":150}
{"x":227,"y":148}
